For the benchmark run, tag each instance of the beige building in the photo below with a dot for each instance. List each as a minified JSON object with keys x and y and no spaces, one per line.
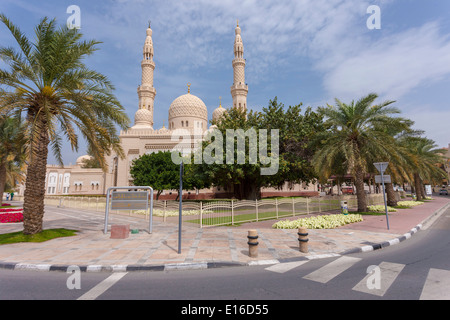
{"x":187,"y":112}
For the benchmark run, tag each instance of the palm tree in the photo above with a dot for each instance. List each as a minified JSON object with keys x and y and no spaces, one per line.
{"x":423,"y":160}
{"x":57,"y":94}
{"x":354,"y":138}
{"x":398,"y":161}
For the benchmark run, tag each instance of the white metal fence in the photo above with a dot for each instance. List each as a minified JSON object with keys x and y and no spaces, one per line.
{"x":223,"y":212}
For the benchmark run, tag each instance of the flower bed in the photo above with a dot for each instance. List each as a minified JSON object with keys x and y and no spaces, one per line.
{"x":5,"y":204}
{"x":11,"y":217}
{"x":320,"y":222}
{"x":3,"y":210}
{"x":409,"y":204}
{"x":380,"y":208}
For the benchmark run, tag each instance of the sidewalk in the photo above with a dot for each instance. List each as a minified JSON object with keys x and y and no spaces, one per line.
{"x":92,"y":250}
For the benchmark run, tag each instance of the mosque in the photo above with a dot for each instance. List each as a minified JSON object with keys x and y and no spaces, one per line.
{"x":186,"y":112}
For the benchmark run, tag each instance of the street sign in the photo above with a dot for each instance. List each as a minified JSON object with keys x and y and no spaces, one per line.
{"x":385,"y":179}
{"x":133,"y":200}
{"x":129,"y":200}
{"x":381,"y":166}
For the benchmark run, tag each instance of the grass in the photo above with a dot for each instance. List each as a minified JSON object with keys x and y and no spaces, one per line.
{"x":240,"y":218}
{"x":45,"y":235}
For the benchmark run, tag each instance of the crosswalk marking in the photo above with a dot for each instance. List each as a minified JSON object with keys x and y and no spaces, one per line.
{"x":332,"y":269}
{"x":437,"y":285}
{"x":284,"y":267}
{"x":378,"y":279}
{"x":102,"y":286}
{"x":388,"y":272}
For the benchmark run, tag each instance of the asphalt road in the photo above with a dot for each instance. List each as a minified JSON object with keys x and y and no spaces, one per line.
{"x":418,"y":268}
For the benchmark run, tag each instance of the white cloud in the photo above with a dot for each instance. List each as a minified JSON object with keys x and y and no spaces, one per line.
{"x":394,"y":65}
{"x":435,"y":122}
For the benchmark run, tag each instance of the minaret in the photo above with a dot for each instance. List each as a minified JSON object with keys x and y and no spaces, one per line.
{"x":239,"y":89}
{"x":146,"y":91}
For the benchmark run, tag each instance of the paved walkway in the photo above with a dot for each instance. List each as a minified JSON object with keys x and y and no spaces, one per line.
{"x":92,"y":250}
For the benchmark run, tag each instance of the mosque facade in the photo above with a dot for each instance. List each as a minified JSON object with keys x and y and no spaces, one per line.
{"x":186,"y":112}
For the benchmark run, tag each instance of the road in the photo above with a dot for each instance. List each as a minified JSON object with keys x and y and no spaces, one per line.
{"x":418,"y":268}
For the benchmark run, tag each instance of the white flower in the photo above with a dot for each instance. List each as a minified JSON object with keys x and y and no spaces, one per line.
{"x":319,"y":222}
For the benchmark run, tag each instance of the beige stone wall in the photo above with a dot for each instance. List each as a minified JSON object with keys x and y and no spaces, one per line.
{"x":74,"y":180}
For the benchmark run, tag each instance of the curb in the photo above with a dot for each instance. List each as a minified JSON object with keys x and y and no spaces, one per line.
{"x":384,"y":244}
{"x":121,"y":268}
{"x":215,"y":264}
{"x":404,"y":237}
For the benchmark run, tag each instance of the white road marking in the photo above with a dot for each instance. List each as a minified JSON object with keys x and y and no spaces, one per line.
{"x":332,"y":269}
{"x":102,"y":286}
{"x":388,"y":273}
{"x":284,"y":267}
{"x":437,"y":285}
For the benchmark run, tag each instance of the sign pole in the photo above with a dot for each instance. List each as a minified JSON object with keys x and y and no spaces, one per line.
{"x":180,"y":207}
{"x":384,"y":197}
{"x":381,"y":167}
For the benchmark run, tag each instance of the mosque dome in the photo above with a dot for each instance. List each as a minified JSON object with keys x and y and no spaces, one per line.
{"x":218,"y":112}
{"x":143,"y":118}
{"x":188,"y":111}
{"x":84,"y":157}
{"x":188,"y":105}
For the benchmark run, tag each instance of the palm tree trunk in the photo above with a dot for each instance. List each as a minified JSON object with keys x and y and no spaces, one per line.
{"x":422,"y":189}
{"x":390,"y":193}
{"x":360,"y":193}
{"x":2,"y":180}
{"x":33,"y":206}
{"x":417,"y":186}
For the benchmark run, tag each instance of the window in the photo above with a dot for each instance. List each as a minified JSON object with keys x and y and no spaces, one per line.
{"x":187,"y":123}
{"x":182,"y":123}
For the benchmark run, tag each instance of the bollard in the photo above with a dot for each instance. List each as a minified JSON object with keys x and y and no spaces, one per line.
{"x":303,"y":239}
{"x":253,"y":243}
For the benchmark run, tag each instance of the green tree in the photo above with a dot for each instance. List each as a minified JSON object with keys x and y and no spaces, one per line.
{"x":58,"y":95}
{"x":353,"y":137}
{"x":158,"y":171}
{"x":245,"y":178}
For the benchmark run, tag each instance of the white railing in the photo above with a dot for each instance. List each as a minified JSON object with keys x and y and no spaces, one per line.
{"x":222,"y":212}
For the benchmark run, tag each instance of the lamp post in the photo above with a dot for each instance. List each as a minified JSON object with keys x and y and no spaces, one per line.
{"x":180,"y":212}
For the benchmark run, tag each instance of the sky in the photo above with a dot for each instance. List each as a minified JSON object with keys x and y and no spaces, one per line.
{"x":300,"y":51}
